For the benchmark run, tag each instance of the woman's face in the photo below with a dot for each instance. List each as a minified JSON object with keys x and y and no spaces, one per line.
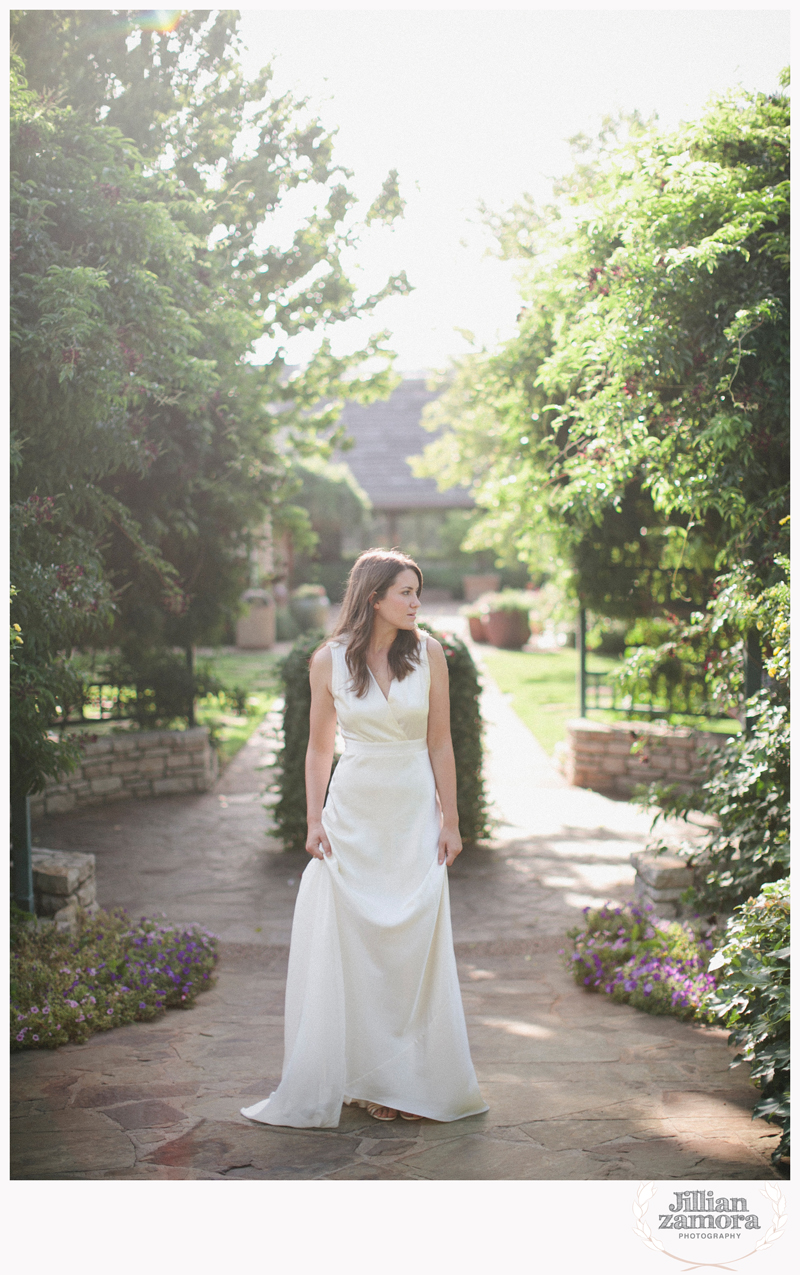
{"x":400,"y":603}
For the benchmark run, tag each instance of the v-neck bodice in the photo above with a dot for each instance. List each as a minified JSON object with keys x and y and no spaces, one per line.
{"x":377,"y":718}
{"x":385,"y":694}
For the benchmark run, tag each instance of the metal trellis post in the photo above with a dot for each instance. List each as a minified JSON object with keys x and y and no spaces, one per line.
{"x":21,"y":850}
{"x":582,"y":661}
{"x":752,"y":671}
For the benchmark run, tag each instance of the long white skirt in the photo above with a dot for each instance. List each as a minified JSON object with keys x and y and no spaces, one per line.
{"x":373,"y":1006}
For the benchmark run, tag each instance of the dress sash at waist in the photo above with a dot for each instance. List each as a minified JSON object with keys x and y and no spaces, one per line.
{"x":384,"y":747}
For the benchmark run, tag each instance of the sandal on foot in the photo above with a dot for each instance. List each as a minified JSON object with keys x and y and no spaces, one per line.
{"x":374,"y":1107}
{"x":407,"y":1115}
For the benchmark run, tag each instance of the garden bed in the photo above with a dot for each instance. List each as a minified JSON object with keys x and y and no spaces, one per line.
{"x":109,"y":971}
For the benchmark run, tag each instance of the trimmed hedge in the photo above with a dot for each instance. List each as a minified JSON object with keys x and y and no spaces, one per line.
{"x":290,"y":809}
{"x":465,"y":724}
{"x":466,"y":728}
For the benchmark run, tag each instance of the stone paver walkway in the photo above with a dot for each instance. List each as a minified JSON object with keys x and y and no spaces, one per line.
{"x":578,"y":1088}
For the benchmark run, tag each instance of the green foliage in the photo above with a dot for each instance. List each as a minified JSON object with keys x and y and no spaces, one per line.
{"x":390,"y":204}
{"x":636,"y":428}
{"x":334,"y":504}
{"x":144,"y":437}
{"x":111,"y":971}
{"x":158,"y":687}
{"x":746,"y":791}
{"x":465,"y":725}
{"x":58,"y":599}
{"x":466,"y":729}
{"x":517,"y":600}
{"x":289,"y":811}
{"x":752,"y":998}
{"x":746,"y":785}
{"x":627,"y":953}
{"x":671,"y":673}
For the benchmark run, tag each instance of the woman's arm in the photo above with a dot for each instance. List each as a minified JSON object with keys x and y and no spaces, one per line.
{"x":440,"y":748}
{"x":319,"y":754}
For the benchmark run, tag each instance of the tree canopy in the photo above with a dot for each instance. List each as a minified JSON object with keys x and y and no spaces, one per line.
{"x":148,"y":444}
{"x":637,"y":425}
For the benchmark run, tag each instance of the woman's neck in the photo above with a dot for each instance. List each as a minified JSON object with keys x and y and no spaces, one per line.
{"x":382,"y":637}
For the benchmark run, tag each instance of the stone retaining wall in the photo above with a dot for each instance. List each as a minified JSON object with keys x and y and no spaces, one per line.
{"x":660,"y":881}
{"x":63,"y":883}
{"x":136,"y":764}
{"x":598,"y":754}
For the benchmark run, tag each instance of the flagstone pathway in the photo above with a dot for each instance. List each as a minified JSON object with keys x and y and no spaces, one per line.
{"x":578,"y":1088}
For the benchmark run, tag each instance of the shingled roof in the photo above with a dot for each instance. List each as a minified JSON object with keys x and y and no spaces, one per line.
{"x":385,"y":434}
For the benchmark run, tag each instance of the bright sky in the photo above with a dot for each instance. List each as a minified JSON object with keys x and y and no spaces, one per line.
{"x":475,"y":105}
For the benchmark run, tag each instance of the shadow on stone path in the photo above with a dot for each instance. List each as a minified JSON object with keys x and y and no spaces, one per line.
{"x":578,"y":1088}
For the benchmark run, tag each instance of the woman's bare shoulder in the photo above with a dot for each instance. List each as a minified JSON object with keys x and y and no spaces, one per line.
{"x":435,"y":647}
{"x":322,"y":658}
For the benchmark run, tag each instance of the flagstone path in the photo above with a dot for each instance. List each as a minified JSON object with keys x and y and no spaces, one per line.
{"x":578,"y":1088}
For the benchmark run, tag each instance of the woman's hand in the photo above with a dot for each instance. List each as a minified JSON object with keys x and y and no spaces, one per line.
{"x":317,"y":843}
{"x":449,"y":844}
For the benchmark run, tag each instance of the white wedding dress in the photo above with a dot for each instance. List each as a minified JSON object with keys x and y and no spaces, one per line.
{"x":373,"y":1006}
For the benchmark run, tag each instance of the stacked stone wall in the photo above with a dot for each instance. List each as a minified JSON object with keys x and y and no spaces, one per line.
{"x":63,"y":883}
{"x":603,"y":756}
{"x":660,"y":881}
{"x":135,"y":764}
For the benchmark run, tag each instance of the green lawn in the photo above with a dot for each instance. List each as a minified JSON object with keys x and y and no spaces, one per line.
{"x":256,"y":670}
{"x":544,"y":692}
{"x":543,"y":686}
{"x":256,"y":673}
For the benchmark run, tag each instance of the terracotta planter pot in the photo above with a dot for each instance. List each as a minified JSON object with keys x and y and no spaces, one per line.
{"x":476,"y":630}
{"x":507,"y":629}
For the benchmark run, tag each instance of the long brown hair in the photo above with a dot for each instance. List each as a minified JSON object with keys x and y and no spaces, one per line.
{"x":373,"y":574}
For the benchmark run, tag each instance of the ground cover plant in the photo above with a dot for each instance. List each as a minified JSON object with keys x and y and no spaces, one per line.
{"x":109,"y":971}
{"x":626,"y":952}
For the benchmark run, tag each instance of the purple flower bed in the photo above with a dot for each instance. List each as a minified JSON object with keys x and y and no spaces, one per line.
{"x":65,"y":987}
{"x":636,"y":958}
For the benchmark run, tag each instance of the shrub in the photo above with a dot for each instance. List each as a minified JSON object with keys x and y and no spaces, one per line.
{"x":286,"y":627}
{"x":752,"y":999}
{"x":65,"y":987}
{"x":290,"y":810}
{"x":466,"y":728}
{"x":634,"y":957}
{"x":465,"y":725}
{"x":508,"y":600}
{"x":309,"y":591}
{"x":746,"y":788}
{"x":157,"y":687}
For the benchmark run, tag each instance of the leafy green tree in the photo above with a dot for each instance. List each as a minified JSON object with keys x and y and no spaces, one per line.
{"x":637,"y":429}
{"x":333,"y":503}
{"x":143,"y":274}
{"x":638,"y":423}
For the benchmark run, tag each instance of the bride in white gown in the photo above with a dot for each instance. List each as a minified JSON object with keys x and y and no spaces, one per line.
{"x":373,"y":1007}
